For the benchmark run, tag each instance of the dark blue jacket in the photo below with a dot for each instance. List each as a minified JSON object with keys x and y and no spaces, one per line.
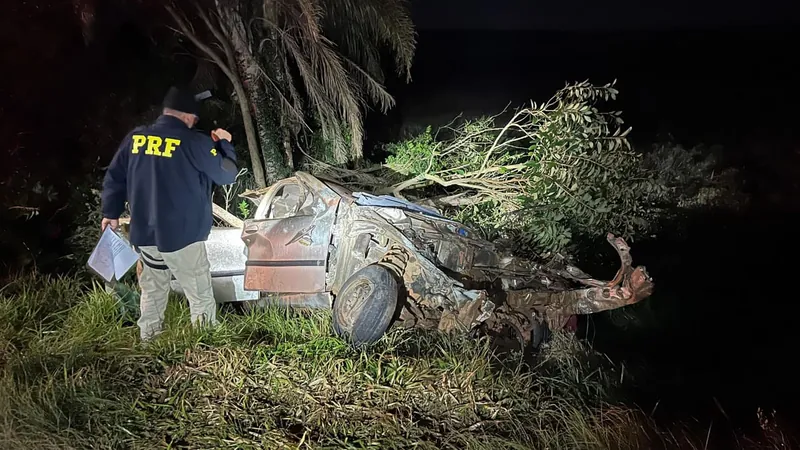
{"x":165,"y":171}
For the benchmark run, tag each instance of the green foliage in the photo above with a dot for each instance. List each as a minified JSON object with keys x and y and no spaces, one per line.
{"x":324,"y":150}
{"x":677,"y":167}
{"x":72,"y":376}
{"x":244,"y":209}
{"x":85,"y":225}
{"x":413,"y":156}
{"x":226,"y":196}
{"x":336,"y":47}
{"x":691,"y":178}
{"x":550,"y":172}
{"x":545,"y":175}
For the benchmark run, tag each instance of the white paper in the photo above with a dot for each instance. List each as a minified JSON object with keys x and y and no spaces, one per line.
{"x":112,"y":257}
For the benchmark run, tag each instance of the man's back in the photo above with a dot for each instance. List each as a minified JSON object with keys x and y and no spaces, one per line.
{"x":168,"y":170}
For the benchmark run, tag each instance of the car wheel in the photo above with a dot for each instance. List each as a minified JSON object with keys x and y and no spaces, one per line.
{"x":366,"y":305}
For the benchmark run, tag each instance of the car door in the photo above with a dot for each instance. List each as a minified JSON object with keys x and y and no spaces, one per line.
{"x":287,"y":249}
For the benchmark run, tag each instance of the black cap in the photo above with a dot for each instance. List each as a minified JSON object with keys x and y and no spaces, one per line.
{"x":181,"y":100}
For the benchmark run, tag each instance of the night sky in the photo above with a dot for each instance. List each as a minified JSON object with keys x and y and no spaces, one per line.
{"x":694,"y":70}
{"x":592,"y":15}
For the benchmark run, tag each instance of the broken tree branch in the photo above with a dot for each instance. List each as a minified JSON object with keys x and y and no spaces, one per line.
{"x":225,"y":216}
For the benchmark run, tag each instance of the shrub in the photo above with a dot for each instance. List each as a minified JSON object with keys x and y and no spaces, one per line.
{"x":87,"y":215}
{"x":692,"y":178}
{"x":549,"y":172}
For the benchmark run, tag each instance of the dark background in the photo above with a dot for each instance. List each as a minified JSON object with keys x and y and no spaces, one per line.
{"x":718,"y":334}
{"x":717,"y":340}
{"x":587,"y":15}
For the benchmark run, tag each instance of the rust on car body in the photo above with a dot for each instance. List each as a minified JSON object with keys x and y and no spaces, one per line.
{"x":310,"y":235}
{"x":288,"y":249}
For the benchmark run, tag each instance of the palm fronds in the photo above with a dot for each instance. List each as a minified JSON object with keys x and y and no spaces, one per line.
{"x":331,"y":48}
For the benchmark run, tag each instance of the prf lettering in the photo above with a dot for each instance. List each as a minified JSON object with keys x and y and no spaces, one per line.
{"x":154,"y":145}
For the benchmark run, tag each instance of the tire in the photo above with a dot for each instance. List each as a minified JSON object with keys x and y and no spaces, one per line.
{"x":365,"y":306}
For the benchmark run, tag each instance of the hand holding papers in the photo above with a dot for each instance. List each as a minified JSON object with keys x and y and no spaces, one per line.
{"x":112,"y":257}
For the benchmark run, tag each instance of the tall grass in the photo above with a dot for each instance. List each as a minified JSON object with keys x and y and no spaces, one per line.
{"x":73,"y":376}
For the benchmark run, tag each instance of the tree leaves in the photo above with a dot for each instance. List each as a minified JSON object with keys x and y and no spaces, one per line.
{"x":334,"y":47}
{"x":555,"y":170}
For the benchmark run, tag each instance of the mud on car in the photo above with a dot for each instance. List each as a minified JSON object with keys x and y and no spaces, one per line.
{"x":380,"y":260}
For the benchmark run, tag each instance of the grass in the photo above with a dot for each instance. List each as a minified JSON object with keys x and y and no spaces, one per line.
{"x":72,"y":375}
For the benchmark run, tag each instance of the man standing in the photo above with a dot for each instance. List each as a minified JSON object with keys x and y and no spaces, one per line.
{"x":165,"y":171}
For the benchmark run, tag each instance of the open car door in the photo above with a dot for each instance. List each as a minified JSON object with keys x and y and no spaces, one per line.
{"x":288,"y":241}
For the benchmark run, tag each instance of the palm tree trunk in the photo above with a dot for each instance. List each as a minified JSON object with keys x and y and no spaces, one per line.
{"x":287,"y":149}
{"x":255,"y":94}
{"x":268,"y":131}
{"x":233,"y":76}
{"x":250,"y":132}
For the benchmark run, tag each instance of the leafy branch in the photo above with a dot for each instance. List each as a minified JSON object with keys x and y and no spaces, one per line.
{"x":539,"y":174}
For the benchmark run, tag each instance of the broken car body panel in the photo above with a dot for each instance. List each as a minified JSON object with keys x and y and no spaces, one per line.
{"x":310,"y":235}
{"x":288,"y":245}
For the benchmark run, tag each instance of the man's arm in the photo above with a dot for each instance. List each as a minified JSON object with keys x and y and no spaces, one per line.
{"x":115,"y":186}
{"x":226,"y":147}
{"x":217,"y":160}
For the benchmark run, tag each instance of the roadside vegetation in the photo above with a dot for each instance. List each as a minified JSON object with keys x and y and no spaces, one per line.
{"x":72,"y":375}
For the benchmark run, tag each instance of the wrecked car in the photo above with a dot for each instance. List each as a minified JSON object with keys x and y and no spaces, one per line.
{"x":381,"y":260}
